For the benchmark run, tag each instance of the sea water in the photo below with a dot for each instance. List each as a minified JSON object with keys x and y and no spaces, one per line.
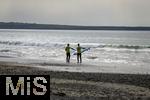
{"x":107,"y":48}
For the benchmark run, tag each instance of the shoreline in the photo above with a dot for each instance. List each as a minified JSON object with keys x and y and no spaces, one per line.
{"x":61,"y":66}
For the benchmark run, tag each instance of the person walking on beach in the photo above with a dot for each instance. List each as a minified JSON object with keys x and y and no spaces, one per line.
{"x":67,"y":49}
{"x":79,"y":55}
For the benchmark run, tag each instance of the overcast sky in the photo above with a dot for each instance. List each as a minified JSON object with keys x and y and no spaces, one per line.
{"x":77,"y":12}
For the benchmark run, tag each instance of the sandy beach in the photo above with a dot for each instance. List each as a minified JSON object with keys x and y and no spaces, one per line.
{"x":86,"y":86}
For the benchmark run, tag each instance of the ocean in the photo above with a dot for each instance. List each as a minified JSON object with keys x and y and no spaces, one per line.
{"x":107,"y":48}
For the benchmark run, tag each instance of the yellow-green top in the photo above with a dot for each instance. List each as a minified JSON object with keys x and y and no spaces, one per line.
{"x":67,"y":49}
{"x":79,"y":49}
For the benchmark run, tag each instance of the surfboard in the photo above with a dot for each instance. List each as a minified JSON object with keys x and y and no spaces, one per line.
{"x":82,"y":50}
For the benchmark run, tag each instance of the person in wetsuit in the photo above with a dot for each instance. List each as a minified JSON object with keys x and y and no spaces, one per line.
{"x":79,"y":55}
{"x":67,"y":49}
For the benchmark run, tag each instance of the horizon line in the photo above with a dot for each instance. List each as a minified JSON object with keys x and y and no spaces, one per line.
{"x":76,"y":25}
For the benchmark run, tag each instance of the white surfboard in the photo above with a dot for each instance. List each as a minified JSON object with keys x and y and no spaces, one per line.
{"x":82,"y":50}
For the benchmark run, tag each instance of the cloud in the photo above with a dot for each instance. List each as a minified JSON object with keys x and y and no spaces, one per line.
{"x":83,"y":12}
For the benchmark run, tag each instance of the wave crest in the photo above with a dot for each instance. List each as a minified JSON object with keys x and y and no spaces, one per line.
{"x":30,"y":44}
{"x":125,"y":46}
{"x":63,"y":44}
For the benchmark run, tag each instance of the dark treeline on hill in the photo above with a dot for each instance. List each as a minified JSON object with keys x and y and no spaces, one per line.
{"x":14,"y":25}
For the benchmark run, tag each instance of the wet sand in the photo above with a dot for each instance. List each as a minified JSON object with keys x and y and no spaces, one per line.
{"x":87,"y":86}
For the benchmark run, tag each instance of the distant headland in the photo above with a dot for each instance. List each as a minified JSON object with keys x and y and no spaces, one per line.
{"x":16,"y":25}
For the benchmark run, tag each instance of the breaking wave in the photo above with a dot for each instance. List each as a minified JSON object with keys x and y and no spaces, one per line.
{"x":30,"y":44}
{"x":63,"y":44}
{"x":126,"y":46}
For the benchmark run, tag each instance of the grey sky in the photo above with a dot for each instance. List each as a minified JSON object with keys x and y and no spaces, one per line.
{"x":77,"y":12}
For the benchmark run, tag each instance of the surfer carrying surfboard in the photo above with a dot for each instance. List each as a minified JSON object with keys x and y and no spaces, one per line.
{"x":79,"y":55}
{"x":67,"y":49}
{"x":78,"y":51}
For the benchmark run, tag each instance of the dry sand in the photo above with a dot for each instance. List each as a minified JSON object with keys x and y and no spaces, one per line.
{"x":87,"y":86}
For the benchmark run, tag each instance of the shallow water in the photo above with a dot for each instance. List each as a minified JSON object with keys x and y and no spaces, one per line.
{"x":107,"y":48}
